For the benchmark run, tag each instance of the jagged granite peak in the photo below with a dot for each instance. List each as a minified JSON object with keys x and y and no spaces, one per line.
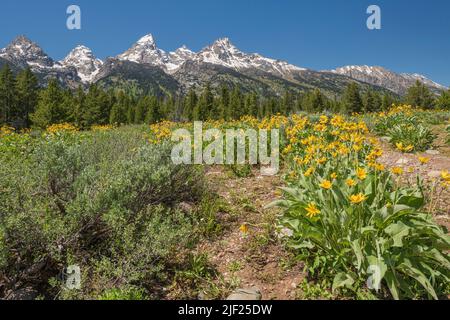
{"x":145,"y":51}
{"x":178,"y":57}
{"x":223,"y":52}
{"x":376,"y":75}
{"x":84,"y":61}
{"x":24,"y":52}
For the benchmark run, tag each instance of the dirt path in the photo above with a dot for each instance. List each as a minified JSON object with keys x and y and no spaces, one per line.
{"x":255,"y":258}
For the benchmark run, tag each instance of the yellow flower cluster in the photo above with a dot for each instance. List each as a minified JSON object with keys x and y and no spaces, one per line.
{"x":5,"y":130}
{"x":161,"y":131}
{"x":61,"y":127}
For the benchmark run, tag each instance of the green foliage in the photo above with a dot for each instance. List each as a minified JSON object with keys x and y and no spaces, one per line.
{"x":8,"y":94}
{"x":52,"y":107}
{"x":106,"y":201}
{"x":443,"y":102}
{"x":351,"y":99}
{"x":407,"y":132}
{"x":418,"y":136}
{"x":127,"y":293}
{"x":420,"y":96}
{"x":385,"y":240}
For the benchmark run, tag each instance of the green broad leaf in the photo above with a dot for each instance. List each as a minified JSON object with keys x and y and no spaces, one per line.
{"x":377,"y":269}
{"x":278,"y":203}
{"x":369,"y":229}
{"x":416,"y":274}
{"x":392,"y":285}
{"x":400,"y":207}
{"x":397,"y":231}
{"x":303,"y":245}
{"x":295,"y":193}
{"x":415,"y":201}
{"x":358,"y":253}
{"x":439,"y":257}
{"x":342,"y":280}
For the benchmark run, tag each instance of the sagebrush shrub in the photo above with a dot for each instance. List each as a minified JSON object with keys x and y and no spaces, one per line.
{"x":106,"y":201}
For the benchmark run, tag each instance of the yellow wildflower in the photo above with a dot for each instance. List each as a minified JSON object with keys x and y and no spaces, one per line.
{"x":309,"y":172}
{"x":350,"y":182}
{"x":357,"y":198}
{"x":326,"y":184}
{"x":424,"y":160}
{"x":312,"y":210}
{"x":397,"y":171}
{"x":361,"y":174}
{"x":445,"y":176}
{"x":244,"y":228}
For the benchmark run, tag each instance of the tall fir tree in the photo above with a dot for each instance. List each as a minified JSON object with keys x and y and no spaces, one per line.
{"x":420,"y":96}
{"x":190,"y":103}
{"x":443,"y":102}
{"x":97,"y":107}
{"x":50,"y":108}
{"x":351,"y":99}
{"x":27,"y":89}
{"x":8,"y":95}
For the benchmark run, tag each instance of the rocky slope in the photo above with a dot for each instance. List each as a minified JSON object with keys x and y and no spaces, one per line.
{"x":398,"y":83}
{"x":146,"y":68}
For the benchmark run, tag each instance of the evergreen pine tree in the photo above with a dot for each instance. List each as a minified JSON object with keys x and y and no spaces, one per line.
{"x":420,"y":96}
{"x":8,"y":95}
{"x":27,"y":95}
{"x":443,"y":102}
{"x":50,"y":108}
{"x":190,"y":104}
{"x":351,"y":100}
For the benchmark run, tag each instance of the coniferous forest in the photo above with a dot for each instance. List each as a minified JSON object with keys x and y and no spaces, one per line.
{"x":23,"y":103}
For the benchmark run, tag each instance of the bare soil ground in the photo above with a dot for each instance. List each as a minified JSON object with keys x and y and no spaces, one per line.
{"x":256,"y":258}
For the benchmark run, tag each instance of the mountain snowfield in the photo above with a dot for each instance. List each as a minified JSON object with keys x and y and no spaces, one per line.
{"x":383,"y":77}
{"x":84,"y":61}
{"x":82,"y":67}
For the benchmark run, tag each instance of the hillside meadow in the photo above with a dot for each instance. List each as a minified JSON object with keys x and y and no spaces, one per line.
{"x":110,"y":200}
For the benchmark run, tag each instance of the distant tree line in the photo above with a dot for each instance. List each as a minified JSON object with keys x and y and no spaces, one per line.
{"x":23,"y":103}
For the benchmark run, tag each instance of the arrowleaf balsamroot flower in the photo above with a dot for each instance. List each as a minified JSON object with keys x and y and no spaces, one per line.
{"x":397,"y":171}
{"x":361,"y":174}
{"x":326,"y":184}
{"x":424,"y":160}
{"x":312,"y":210}
{"x":350,"y":182}
{"x":357,"y":198}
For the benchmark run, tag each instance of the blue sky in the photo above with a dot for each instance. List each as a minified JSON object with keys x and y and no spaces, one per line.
{"x":320,"y":34}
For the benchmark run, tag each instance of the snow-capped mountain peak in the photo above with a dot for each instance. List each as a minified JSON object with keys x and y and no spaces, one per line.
{"x":25,"y":53}
{"x":178,"y":57}
{"x":423,"y":79}
{"x":84,"y":61}
{"x":145,"y":51}
{"x":396,"y":82}
{"x":223,"y":52}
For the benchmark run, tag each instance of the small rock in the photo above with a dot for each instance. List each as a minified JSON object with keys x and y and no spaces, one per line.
{"x":285,"y":233}
{"x":386,"y":139}
{"x":402,"y":161}
{"x":186,"y":207}
{"x":269,"y":171}
{"x":434,"y":174}
{"x":246,"y":294}
{"x":432,"y":152}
